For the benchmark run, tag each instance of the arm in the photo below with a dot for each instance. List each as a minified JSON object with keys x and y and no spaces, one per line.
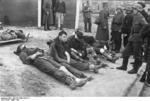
{"x":23,"y":57}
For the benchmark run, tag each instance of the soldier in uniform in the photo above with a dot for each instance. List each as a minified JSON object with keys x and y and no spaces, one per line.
{"x":145,"y":34}
{"x":87,"y":17}
{"x":116,"y":29}
{"x":134,"y":46}
{"x":127,"y":24}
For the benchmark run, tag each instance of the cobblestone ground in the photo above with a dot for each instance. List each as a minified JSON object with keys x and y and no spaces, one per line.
{"x":17,"y":79}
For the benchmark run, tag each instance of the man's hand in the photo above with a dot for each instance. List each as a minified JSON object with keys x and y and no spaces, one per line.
{"x":32,"y":57}
{"x":68,"y":57}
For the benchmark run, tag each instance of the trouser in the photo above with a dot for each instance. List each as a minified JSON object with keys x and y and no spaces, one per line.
{"x":46,"y":23}
{"x":87,"y":24}
{"x":60,"y":19}
{"x":79,"y":65}
{"x":116,"y":37}
{"x":135,"y":49}
{"x":47,"y":67}
{"x":71,"y":69}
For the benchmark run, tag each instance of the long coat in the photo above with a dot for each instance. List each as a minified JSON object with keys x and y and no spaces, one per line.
{"x":48,"y":13}
{"x":102,"y":29}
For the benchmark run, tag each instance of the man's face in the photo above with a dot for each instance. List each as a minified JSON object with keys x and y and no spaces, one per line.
{"x":135,"y":11}
{"x":63,"y":38}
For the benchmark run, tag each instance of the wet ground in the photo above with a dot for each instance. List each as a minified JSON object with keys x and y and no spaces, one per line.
{"x":17,"y":79}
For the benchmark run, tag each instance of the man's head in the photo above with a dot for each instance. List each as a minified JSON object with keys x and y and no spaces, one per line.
{"x":128,"y":10}
{"x":62,"y":36}
{"x":78,"y":35}
{"x":142,"y":4}
{"x":136,"y":8}
{"x":19,"y":49}
{"x":118,"y":9}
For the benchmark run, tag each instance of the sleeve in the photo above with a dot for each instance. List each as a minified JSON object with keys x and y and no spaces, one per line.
{"x":23,"y":56}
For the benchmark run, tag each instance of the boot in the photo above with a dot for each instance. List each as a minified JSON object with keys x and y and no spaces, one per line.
{"x":71,"y":82}
{"x":136,"y":67}
{"x":124,"y":64}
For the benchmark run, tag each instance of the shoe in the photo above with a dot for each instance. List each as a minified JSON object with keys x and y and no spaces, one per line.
{"x":133,"y":71}
{"x":90,"y":78}
{"x":122,"y":68}
{"x":95,"y":70}
{"x":147,"y":83}
{"x":81,"y":83}
{"x":73,"y":86}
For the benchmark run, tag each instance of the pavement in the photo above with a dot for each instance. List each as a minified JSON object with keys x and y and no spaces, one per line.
{"x":18,"y":79}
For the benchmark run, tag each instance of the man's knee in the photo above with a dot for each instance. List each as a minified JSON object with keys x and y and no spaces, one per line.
{"x":59,"y":74}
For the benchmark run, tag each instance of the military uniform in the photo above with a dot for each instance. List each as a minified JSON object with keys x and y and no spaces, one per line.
{"x":146,"y":35}
{"x":134,"y":46}
{"x":116,"y":30}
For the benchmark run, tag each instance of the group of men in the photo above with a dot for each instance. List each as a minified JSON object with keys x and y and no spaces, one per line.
{"x":66,"y":58}
{"x":53,"y":13}
{"x":134,"y":26}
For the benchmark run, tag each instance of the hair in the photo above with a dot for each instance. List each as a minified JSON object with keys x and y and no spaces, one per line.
{"x":62,"y":33}
{"x":18,"y":51}
{"x":79,"y":34}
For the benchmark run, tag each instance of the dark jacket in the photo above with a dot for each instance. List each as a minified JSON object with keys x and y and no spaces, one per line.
{"x":86,"y":12}
{"x":117,"y":22}
{"x":145,"y":34}
{"x":60,"y":7}
{"x":27,"y":52}
{"x":148,"y":19}
{"x":127,"y":24}
{"x":138,"y":23}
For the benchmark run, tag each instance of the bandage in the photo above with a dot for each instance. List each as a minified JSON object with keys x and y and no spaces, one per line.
{"x":102,"y":50}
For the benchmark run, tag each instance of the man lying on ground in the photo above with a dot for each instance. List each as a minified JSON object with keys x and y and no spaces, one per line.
{"x":61,"y":53}
{"x":38,"y":58}
{"x":12,"y":34}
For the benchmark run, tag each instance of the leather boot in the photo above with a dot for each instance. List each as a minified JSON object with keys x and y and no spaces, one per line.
{"x":124,"y":64}
{"x":136,"y":67}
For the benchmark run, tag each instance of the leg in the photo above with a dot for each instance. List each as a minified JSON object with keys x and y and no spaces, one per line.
{"x":59,"y":74}
{"x":137,"y":53}
{"x":74,"y":71}
{"x":118,"y":41}
{"x":85,"y":24}
{"x":90,"y":24}
{"x":126,"y":54}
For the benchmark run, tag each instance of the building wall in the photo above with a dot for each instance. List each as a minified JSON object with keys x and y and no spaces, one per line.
{"x":25,"y":12}
{"x":20,"y":12}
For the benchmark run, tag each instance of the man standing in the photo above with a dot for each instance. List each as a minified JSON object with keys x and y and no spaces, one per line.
{"x":145,"y":34}
{"x":87,"y":17}
{"x":142,"y":11}
{"x":116,"y":29}
{"x":134,"y":45}
{"x":127,"y":24}
{"x":60,"y":13}
{"x":48,"y":15}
